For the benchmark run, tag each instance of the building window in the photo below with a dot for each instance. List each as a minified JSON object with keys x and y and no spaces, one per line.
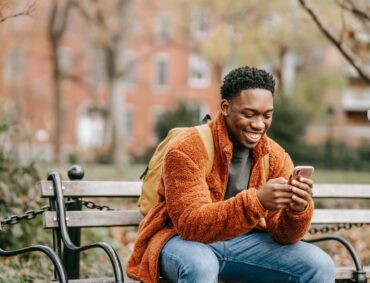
{"x":90,"y":129}
{"x":161,"y":71}
{"x":96,"y":71}
{"x":14,"y":62}
{"x":199,"y":72}
{"x":129,"y":70}
{"x":65,"y":56}
{"x":161,"y":28}
{"x":199,"y":23}
{"x":129,"y":122}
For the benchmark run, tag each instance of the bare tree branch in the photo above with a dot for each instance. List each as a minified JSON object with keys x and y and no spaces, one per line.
{"x":83,"y":11}
{"x":27,"y":12}
{"x":351,"y":7}
{"x":84,"y":84}
{"x":330,"y":34}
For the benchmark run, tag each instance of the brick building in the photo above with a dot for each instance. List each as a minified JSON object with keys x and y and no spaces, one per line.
{"x":161,"y":67}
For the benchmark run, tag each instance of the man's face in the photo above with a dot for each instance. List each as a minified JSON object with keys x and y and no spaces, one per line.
{"x":248,"y":116}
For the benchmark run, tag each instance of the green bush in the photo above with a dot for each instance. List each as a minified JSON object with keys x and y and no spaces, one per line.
{"x":183,"y":116}
{"x":335,"y":155}
{"x":17,"y":193}
{"x":289,"y":126}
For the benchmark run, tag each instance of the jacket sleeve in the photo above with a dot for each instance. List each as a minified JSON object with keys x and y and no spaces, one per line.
{"x":287,"y":226}
{"x":193,"y":213}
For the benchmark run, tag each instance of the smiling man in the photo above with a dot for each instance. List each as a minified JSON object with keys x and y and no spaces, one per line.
{"x":236,"y":224}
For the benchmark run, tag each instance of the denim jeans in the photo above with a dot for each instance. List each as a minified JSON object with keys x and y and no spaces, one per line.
{"x":253,"y":257}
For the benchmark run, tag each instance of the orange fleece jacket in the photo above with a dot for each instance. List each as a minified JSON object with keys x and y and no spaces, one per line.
{"x":192,"y":204}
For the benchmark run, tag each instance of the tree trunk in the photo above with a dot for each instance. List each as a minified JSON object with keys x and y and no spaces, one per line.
{"x":57,"y":26}
{"x":58,"y":114}
{"x":117,"y":122}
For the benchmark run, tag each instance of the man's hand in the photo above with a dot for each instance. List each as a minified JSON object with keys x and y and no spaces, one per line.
{"x":277,"y":194}
{"x":302,"y":193}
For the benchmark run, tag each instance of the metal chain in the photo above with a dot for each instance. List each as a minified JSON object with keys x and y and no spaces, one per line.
{"x":28,"y":215}
{"x":312,"y":231}
{"x":92,"y":205}
{"x":334,"y":228}
{"x":31,"y":214}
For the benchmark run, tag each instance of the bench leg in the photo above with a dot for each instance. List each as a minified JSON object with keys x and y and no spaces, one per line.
{"x":71,"y":259}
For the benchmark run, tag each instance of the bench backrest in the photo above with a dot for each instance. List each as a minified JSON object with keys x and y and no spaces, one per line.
{"x":132,"y":189}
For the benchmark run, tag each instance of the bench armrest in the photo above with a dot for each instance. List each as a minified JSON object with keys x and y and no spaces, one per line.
{"x":359,"y":273}
{"x":59,"y":268}
{"x":61,"y":218}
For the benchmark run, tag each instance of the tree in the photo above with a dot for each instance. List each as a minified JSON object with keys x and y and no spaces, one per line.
{"x":110,"y":21}
{"x":351,"y":38}
{"x":251,"y":33}
{"x":58,"y":20}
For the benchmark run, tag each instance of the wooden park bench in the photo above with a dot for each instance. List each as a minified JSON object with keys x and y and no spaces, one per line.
{"x":67,"y":224}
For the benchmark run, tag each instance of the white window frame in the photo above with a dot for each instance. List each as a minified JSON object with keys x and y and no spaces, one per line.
{"x":161,"y":58}
{"x":161,"y":27}
{"x":90,"y":130}
{"x":14,"y":64}
{"x":198,"y":65}
{"x":129,"y":58}
{"x":199,"y":23}
{"x":129,"y":123}
{"x":96,"y":69}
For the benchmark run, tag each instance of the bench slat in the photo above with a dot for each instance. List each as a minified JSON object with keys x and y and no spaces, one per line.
{"x":348,"y":272}
{"x":341,"y":191}
{"x":336,"y":216}
{"x":95,"y":218}
{"x":133,"y":189}
{"x":340,"y":273}
{"x":93,"y":188}
{"x":133,"y":217}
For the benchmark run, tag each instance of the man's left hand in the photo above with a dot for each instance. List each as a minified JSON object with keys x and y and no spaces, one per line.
{"x":302,"y":193}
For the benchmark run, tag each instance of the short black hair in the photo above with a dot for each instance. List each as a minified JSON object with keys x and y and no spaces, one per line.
{"x":246,"y":78}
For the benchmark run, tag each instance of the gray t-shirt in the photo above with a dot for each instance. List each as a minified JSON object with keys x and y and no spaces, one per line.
{"x":239,"y":171}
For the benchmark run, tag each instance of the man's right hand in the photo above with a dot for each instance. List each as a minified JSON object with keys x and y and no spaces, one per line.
{"x":275,"y":194}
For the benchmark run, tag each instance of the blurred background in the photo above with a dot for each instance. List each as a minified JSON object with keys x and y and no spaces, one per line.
{"x":99,"y":83}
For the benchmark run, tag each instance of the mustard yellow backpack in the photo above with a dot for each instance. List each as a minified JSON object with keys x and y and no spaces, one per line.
{"x":152,"y":174}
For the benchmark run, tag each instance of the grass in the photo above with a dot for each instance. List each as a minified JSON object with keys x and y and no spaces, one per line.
{"x":134,"y":171}
{"x":341,"y":176}
{"x":97,"y":172}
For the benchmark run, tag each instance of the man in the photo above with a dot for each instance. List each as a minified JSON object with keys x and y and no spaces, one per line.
{"x":233,"y":224}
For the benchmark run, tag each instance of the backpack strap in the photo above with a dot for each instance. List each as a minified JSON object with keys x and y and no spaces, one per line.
{"x":207,"y":138}
{"x":266,"y":165}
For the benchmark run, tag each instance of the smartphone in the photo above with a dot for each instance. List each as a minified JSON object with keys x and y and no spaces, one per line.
{"x":302,"y":171}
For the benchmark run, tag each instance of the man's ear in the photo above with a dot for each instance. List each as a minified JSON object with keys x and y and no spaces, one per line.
{"x":225,"y":107}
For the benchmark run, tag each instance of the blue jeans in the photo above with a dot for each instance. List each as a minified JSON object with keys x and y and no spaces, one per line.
{"x":253,"y":257}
